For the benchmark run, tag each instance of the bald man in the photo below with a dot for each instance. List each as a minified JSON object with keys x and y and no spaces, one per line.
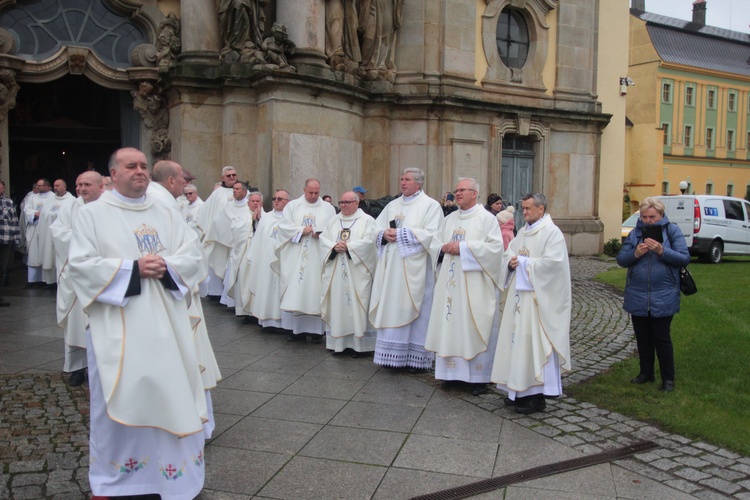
{"x":168,"y":182}
{"x":70,"y":315}
{"x":47,"y":215}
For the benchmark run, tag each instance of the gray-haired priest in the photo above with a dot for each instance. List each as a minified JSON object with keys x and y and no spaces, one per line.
{"x":467,"y":251}
{"x":348,"y":267}
{"x":534,"y":342}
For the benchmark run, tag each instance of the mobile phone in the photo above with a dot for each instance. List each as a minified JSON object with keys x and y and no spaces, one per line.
{"x":653,"y":232}
{"x":392,"y":224}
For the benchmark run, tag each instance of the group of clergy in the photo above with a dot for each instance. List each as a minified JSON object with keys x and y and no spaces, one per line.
{"x":413,"y":286}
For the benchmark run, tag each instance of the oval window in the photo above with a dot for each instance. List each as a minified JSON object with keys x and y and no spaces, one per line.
{"x":512,"y":38}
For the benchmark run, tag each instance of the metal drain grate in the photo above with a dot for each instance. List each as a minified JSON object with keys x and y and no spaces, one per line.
{"x":488,"y":485}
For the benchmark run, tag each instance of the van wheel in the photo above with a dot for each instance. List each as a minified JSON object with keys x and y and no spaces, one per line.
{"x":715,"y":252}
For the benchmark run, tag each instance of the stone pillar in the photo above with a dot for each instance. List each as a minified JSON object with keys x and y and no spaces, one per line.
{"x":201,"y":39}
{"x":576,"y":51}
{"x":9,"y":67}
{"x":305,"y":24}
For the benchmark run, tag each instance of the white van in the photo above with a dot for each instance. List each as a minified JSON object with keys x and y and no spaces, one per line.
{"x":713,"y":226}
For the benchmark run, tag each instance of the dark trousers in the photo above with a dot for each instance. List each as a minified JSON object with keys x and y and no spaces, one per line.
{"x":652,"y":336}
{"x":5,"y":252}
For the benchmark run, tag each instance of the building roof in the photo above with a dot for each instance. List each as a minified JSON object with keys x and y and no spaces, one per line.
{"x":692,"y":44}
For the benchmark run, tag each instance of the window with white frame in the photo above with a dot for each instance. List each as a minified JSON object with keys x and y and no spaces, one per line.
{"x":665,"y":128}
{"x":666,"y":92}
{"x":687,"y":136}
{"x":730,"y":189}
{"x":711,"y":99}
{"x":730,"y":140}
{"x":664,"y":188}
{"x":709,"y":188}
{"x":731,"y":101}
{"x":709,"y":138}
{"x":689,"y":95}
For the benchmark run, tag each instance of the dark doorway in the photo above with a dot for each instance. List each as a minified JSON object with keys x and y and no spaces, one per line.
{"x":59,"y":129}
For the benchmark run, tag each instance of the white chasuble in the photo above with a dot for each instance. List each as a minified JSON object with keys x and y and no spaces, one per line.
{"x":263,"y":284}
{"x":145,"y":350}
{"x":50,"y":213}
{"x":190,"y":213}
{"x":238,"y":269}
{"x":535,"y":324}
{"x":464,"y":301}
{"x":300,"y":257}
{"x":347,"y":277}
{"x":398,"y":286}
{"x":219,"y":240}
{"x":214,"y":204}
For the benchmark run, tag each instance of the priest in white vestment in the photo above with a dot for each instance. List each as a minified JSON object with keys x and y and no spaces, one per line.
{"x":534,"y":342}
{"x":207,"y":213}
{"x":60,"y":198}
{"x":299,"y":261}
{"x":219,"y":240}
{"x":238,"y":269}
{"x":263,"y":284}
{"x":402,"y":286}
{"x":349,"y":259}
{"x":467,"y":252}
{"x":22,"y":219}
{"x":190,"y":207}
{"x":70,"y":315}
{"x":133,"y":263}
{"x":36,"y":231}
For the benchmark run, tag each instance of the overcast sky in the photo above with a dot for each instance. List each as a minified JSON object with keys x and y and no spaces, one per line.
{"x":729,"y":14}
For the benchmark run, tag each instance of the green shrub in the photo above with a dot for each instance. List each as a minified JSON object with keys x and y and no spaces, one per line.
{"x":612,"y":247}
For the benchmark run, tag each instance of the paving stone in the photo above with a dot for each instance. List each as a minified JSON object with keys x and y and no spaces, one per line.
{"x":727,"y":474}
{"x":692,"y":474}
{"x":682,"y":485}
{"x":692,"y":461}
{"x":665,"y":464}
{"x":721,"y":485}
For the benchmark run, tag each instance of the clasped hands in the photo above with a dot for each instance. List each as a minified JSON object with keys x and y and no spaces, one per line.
{"x":307,"y":230}
{"x":451,"y":248}
{"x":152,"y":266}
{"x":340,"y":247}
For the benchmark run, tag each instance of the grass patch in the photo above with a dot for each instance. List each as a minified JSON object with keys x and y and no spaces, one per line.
{"x":711,"y":337}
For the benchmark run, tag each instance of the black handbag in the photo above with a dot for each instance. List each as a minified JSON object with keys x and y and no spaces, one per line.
{"x":687,"y":283}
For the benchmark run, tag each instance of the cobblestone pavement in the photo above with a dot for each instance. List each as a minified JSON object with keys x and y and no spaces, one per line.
{"x":44,"y":422}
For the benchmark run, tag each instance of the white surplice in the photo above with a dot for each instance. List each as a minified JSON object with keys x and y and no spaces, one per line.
{"x":189,"y":212}
{"x":298,"y":264}
{"x":70,"y":315}
{"x":214,"y":204}
{"x":218,"y":243}
{"x":50,"y":212}
{"x":264,"y":285}
{"x":402,"y":286}
{"x":34,"y":231}
{"x":347,"y":282}
{"x":462,"y":331}
{"x":534,"y":340}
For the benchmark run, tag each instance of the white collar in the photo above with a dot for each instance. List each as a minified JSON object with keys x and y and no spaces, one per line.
{"x":122,"y":197}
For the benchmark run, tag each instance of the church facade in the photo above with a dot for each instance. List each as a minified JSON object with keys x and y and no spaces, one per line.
{"x":509,"y":92}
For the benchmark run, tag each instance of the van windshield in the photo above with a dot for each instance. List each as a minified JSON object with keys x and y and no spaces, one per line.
{"x":632,"y":220}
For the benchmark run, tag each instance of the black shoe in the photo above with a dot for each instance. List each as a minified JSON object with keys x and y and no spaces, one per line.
{"x":415,"y":370}
{"x":641,"y":379}
{"x":357,"y":354}
{"x":4,"y":303}
{"x":295,"y":338}
{"x":531,"y":404}
{"x":509,"y":402}
{"x":478,"y":389}
{"x":450,"y":384}
{"x":667,"y":386}
{"x":316,"y":339}
{"x":77,"y":377}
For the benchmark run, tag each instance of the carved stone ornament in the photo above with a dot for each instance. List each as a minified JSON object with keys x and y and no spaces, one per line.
{"x":8,"y":91}
{"x":143,"y":55}
{"x":155,"y":115}
{"x":242,"y":24}
{"x":168,"y":44}
{"x":77,"y":60}
{"x":7,"y":42}
{"x":275,"y":48}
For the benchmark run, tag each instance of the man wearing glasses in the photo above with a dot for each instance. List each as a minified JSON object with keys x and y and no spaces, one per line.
{"x":190,"y":209}
{"x":207,"y":214}
{"x":348,"y":265}
{"x":467,"y":252}
{"x":264,"y":300}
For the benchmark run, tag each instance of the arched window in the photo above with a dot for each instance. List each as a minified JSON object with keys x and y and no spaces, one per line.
{"x":512,"y":38}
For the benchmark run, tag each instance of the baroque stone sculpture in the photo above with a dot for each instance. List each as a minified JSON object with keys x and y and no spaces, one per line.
{"x":242,"y":22}
{"x":152,"y":108}
{"x":342,"y":44}
{"x":168,"y":44}
{"x":8,"y":91}
{"x":275,"y":48}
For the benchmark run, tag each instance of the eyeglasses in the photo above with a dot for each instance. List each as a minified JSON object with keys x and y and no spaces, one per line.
{"x":230,"y":175}
{"x":278,"y":198}
{"x":462,"y":190}
{"x":190,"y":194}
{"x":347,"y":202}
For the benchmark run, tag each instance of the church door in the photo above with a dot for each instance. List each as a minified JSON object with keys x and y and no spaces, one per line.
{"x":516,"y":173}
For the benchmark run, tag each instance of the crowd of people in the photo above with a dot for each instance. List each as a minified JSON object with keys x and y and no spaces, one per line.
{"x":413,"y":288}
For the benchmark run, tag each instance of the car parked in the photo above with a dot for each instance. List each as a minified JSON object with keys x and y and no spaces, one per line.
{"x":629,"y":224}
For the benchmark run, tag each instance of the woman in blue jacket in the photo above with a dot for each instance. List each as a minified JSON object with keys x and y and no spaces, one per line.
{"x":652,"y":288}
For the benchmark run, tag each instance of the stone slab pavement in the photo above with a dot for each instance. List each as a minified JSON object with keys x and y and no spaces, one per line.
{"x":295,"y":422}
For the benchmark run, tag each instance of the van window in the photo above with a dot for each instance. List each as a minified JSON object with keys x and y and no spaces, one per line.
{"x":747,"y":210}
{"x":733,"y":210}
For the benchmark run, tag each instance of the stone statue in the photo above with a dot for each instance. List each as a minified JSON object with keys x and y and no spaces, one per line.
{"x":168,"y":44}
{"x":8,"y":91}
{"x":241,"y":21}
{"x":342,"y":44}
{"x":379,"y":20}
{"x":276,"y":46}
{"x":155,"y":115}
